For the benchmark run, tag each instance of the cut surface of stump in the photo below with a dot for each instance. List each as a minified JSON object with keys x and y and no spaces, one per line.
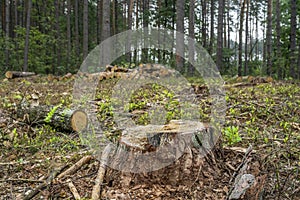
{"x":147,"y":138}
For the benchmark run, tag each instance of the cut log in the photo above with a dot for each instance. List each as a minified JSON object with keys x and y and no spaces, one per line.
{"x":63,"y":119}
{"x":16,"y":74}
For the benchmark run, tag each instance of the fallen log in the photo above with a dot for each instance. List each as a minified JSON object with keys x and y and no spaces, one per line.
{"x":17,"y":74}
{"x":63,"y":119}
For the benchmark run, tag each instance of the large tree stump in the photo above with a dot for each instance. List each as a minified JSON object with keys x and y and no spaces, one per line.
{"x":17,"y":74}
{"x":148,"y":148}
{"x":64,"y":119}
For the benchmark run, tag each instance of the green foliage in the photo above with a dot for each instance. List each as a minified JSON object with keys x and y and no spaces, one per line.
{"x":231,"y":135}
{"x":51,"y":113}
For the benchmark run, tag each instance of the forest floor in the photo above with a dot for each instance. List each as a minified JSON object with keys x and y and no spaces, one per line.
{"x":264,"y":115}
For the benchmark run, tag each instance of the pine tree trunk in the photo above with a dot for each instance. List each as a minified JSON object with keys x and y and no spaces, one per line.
{"x":159,"y":35}
{"x":228,"y":24}
{"x":293,"y":59}
{"x":85,"y":29}
{"x":191,"y":36}
{"x":129,"y":27}
{"x":7,"y":31}
{"x":145,"y":52}
{"x":179,"y":35}
{"x":240,"y":61}
{"x":219,"y":58}
{"x":269,"y":38}
{"x":77,"y":48}
{"x":99,"y":20}
{"x":25,"y":67}
{"x":135,"y":57}
{"x":106,"y":29}
{"x":212,"y":26}
{"x":246,"y":40}
{"x":204,"y":24}
{"x":278,"y":37}
{"x":68,"y":36}
{"x":57,"y":56}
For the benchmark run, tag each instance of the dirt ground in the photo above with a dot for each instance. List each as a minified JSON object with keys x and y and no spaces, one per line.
{"x":33,"y":155}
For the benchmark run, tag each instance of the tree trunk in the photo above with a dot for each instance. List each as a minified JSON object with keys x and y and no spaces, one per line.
{"x":224,"y":31}
{"x":246,"y":40}
{"x":269,"y":38}
{"x":137,"y":26}
{"x":129,"y":27}
{"x":2,"y":15}
{"x":293,"y":59}
{"x":228,"y":24}
{"x":85,"y":45}
{"x":145,"y":52}
{"x":159,"y":6}
{"x":299,"y":60}
{"x":25,"y":67}
{"x":106,"y":20}
{"x":212,"y":26}
{"x":63,"y":119}
{"x":278,"y":37}
{"x":204,"y":19}
{"x":69,"y":36}
{"x":191,"y":36}
{"x":106,"y":29}
{"x":179,"y":35}
{"x":77,"y":48}
{"x":57,"y":56}
{"x":99,"y":20}
{"x":240,"y":61}
{"x":219,"y":59}
{"x":15,"y":17}
{"x":7,"y":31}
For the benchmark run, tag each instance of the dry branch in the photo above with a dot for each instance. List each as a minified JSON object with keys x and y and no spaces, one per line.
{"x":101,"y":173}
{"x":75,"y":167}
{"x":73,"y":189}
{"x":22,"y":180}
{"x":49,"y":180}
{"x":17,"y":74}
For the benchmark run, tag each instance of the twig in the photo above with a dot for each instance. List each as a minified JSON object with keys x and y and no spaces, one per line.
{"x":22,"y":180}
{"x":240,"y":171}
{"x":75,"y":167}
{"x":249,"y":150}
{"x":55,"y":173}
{"x":49,"y":180}
{"x":73,"y":189}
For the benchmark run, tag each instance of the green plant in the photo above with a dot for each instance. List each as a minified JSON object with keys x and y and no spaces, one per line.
{"x":231,"y":134}
{"x":51,"y":113}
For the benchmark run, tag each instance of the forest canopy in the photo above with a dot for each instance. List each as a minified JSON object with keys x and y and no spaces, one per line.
{"x":243,"y":37}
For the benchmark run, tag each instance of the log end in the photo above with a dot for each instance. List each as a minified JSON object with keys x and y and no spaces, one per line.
{"x":9,"y":75}
{"x":79,"y":120}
